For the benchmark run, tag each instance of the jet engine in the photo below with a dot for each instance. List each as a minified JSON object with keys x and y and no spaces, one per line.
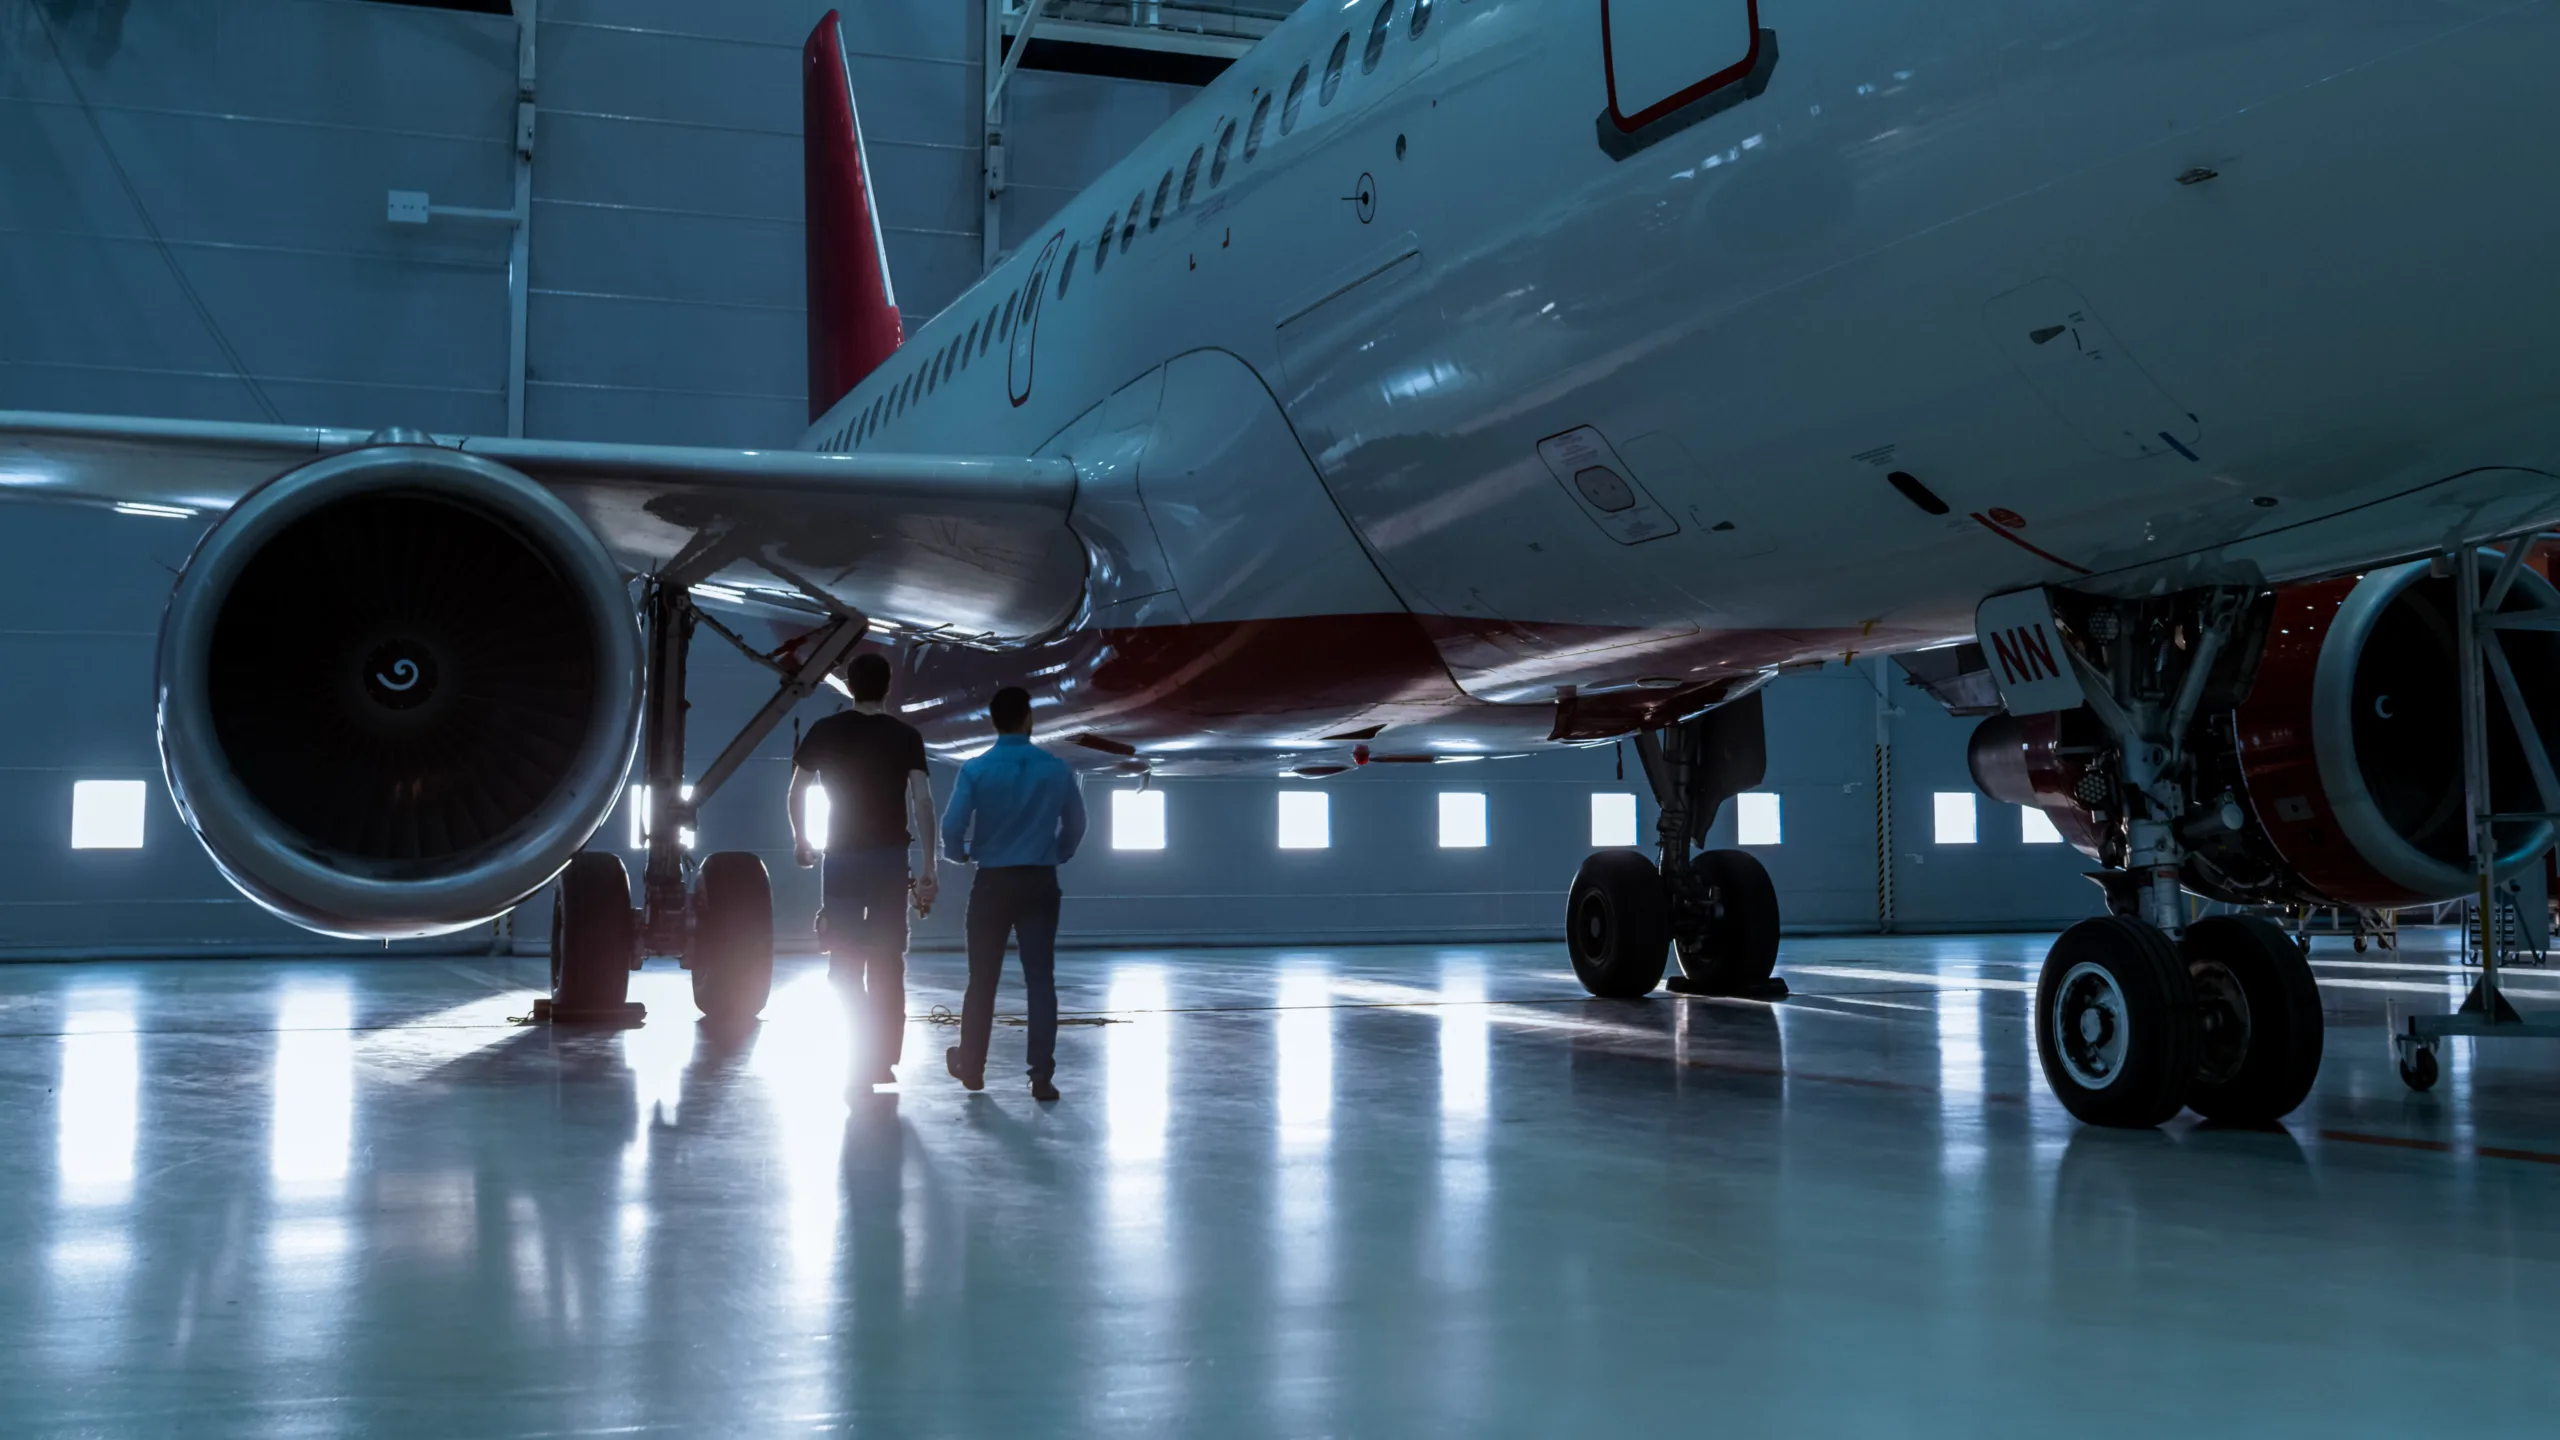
{"x":2334,"y":775}
{"x":398,"y":688}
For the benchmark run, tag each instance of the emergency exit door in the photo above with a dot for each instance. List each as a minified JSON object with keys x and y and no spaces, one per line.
{"x":1672,"y":63}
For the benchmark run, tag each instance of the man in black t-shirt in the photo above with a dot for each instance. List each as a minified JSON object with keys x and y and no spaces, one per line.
{"x":872,"y":766}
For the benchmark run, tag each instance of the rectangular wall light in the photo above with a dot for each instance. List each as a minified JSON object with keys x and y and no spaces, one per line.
{"x":1613,"y":821}
{"x":639,"y":808}
{"x":107,"y":814}
{"x":1755,"y":818}
{"x":817,"y":809}
{"x":1306,"y":822}
{"x":1462,"y":824}
{"x":1137,"y":819}
{"x":2036,"y":827}
{"x":1954,"y":811}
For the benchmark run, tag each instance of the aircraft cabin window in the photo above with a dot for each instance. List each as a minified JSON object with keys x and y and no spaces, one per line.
{"x":1377,"y":45}
{"x":1009,"y":302}
{"x":1333,"y":69}
{"x":1421,"y":18}
{"x":1218,"y":165}
{"x":969,"y":344}
{"x":1261,"y":112}
{"x":1190,"y":179}
{"x":1129,"y":228}
{"x":1067,"y":271}
{"x":1102,"y":246}
{"x":1164,"y":192}
{"x":987,"y":336}
{"x":1289,"y":107}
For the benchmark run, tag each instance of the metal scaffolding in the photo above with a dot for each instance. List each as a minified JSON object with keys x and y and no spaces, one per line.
{"x":1182,"y":40}
{"x":2509,"y":915}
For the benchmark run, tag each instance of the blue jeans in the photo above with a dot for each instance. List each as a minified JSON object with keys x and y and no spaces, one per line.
{"x":863,"y":925}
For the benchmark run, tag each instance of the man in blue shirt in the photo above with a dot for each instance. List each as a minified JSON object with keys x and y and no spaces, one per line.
{"x":1017,"y":814}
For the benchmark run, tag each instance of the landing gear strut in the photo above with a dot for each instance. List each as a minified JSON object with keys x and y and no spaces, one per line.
{"x":716,"y":917}
{"x":1626,"y":913}
{"x":2140,"y":1014}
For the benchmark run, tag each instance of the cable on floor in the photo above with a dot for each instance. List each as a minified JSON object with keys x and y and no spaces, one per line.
{"x":945,"y":1015}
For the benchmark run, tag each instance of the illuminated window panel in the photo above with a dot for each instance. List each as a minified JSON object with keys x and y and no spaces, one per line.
{"x":639,"y":808}
{"x":1137,"y":819}
{"x":1462,"y":825}
{"x":107,"y":814}
{"x":1306,"y":820}
{"x":1613,"y":820}
{"x":1954,"y":812}
{"x":817,"y":808}
{"x":2036,"y":827}
{"x":1755,"y":818}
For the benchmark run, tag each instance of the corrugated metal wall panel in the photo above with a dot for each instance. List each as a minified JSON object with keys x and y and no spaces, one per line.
{"x":667,"y":270}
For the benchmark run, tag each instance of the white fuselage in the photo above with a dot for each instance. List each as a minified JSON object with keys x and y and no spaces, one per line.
{"x":2148,"y":293}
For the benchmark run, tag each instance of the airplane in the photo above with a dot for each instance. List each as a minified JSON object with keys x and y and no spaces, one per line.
{"x":1466,"y":377}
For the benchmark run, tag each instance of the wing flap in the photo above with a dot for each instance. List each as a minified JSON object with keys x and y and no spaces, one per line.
{"x":972,"y":547}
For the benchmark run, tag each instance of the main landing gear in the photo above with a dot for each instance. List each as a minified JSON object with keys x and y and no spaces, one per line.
{"x":2139,"y":1014}
{"x":716,"y":917}
{"x":1626,"y":912}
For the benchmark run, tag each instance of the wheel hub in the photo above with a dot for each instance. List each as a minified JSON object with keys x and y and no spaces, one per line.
{"x":1595,"y":925}
{"x":2222,"y":1022}
{"x":2089,"y":1028}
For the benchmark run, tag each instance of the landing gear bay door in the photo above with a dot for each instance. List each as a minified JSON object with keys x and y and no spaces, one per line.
{"x":2025,"y":647}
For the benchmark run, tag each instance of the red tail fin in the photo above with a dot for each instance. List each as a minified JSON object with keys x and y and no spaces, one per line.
{"x":853,"y":314}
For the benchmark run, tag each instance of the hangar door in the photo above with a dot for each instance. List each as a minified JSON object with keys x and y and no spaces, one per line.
{"x":1664,"y":56}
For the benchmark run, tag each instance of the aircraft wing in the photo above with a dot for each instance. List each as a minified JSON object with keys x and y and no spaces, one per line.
{"x":975,"y":548}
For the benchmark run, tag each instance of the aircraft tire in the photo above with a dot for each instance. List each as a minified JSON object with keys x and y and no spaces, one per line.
{"x":732,"y":956}
{"x":2258,"y":1019}
{"x":1739,"y":943}
{"x":2115,"y":1022}
{"x":1618,"y":924}
{"x":593,"y":936}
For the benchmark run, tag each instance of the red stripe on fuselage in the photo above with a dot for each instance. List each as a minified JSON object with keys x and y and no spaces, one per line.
{"x":1242,"y":689}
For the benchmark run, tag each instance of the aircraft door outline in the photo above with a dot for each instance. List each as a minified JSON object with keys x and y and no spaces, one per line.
{"x":1026,"y":322}
{"x":1669,"y":64}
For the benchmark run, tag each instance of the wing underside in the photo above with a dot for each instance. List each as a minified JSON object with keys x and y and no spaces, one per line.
{"x":971,"y":548}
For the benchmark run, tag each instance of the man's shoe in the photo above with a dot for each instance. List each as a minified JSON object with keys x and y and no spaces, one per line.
{"x":970,"y":1079}
{"x":1043,"y":1090}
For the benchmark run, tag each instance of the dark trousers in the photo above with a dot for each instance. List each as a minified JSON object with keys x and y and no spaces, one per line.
{"x":1020,"y":900}
{"x":863,"y":926}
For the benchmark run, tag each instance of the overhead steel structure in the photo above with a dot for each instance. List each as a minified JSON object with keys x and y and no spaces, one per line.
{"x":1185,"y":41}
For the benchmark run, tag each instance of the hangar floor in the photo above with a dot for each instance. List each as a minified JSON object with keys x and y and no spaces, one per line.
{"x":1355,"y":1191}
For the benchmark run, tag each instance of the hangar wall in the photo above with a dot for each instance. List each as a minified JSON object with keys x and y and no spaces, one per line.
{"x":193,"y":224}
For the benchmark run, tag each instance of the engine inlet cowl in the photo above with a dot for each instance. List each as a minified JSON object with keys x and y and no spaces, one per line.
{"x":2351,"y":739}
{"x":399,"y":687}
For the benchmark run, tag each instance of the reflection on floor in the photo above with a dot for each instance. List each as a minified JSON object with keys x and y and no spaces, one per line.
{"x":1393,"y":1191}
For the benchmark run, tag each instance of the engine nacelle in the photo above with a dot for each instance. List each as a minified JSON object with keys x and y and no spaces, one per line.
{"x":399,"y":687}
{"x":2349,"y":745}
{"x":2337,"y":777}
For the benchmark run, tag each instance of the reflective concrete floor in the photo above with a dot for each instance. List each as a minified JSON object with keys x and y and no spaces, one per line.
{"x":1379,"y":1192}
